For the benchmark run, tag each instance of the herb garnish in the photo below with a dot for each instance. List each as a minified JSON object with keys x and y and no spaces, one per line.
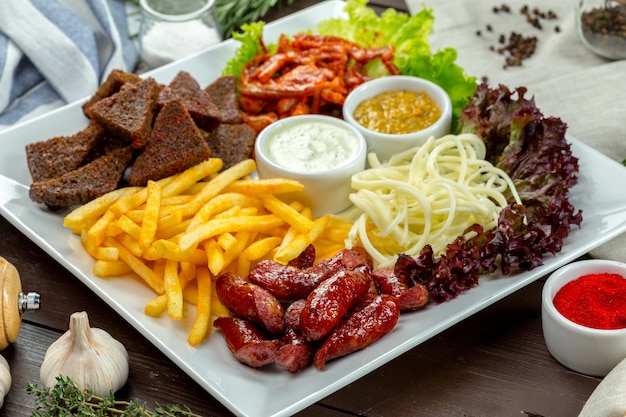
{"x":66,"y":399}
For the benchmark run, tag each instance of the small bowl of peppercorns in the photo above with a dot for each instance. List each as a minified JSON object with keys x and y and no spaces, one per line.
{"x":583,"y":313}
{"x":601,"y":25}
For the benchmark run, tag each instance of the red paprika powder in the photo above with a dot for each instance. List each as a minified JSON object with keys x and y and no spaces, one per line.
{"x":594,"y":300}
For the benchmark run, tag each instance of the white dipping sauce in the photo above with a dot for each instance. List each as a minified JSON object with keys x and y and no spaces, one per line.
{"x":312,"y":146}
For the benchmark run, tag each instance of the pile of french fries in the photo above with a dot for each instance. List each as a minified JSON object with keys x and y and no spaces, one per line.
{"x":178,"y":234}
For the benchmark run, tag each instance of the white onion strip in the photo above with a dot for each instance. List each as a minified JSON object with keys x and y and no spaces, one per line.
{"x":427,"y":195}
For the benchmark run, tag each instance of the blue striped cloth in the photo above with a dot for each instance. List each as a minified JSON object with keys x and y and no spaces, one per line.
{"x":54,"y":52}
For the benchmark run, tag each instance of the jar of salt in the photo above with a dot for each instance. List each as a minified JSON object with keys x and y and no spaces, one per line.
{"x":173,"y":29}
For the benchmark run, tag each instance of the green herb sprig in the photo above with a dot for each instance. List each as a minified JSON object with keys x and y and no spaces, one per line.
{"x":232,"y":14}
{"x":67,"y":399}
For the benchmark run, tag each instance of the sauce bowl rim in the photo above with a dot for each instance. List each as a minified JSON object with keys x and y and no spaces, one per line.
{"x":262,"y":137}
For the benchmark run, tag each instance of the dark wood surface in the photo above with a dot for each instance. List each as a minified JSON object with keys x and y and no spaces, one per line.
{"x":492,"y":364}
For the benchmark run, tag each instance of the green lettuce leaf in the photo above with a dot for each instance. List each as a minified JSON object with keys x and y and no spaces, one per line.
{"x":250,"y":38}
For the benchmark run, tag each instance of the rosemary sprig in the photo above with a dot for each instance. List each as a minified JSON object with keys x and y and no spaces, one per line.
{"x":231,"y":14}
{"x":66,"y":399}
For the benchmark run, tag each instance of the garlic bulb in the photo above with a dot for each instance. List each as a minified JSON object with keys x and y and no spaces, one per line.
{"x":5,"y":379}
{"x":91,"y":357}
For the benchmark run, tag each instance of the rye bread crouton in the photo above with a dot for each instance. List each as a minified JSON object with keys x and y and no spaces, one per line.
{"x":198,"y":102}
{"x":232,"y":143}
{"x":56,"y":156}
{"x":175,"y":145}
{"x":111,"y":85}
{"x":129,"y":113}
{"x":82,"y":185}
{"x":223,"y":93}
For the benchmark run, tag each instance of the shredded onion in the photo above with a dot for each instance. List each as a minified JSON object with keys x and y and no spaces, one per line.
{"x":429,"y":194}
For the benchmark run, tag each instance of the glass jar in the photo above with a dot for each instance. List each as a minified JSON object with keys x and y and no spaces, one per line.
{"x":601,"y":25}
{"x":173,"y":29}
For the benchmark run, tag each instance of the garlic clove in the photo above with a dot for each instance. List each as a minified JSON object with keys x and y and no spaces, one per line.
{"x":91,"y":357}
{"x":5,"y":379}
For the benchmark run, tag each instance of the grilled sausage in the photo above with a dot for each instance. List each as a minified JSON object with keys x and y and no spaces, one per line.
{"x":250,"y":301}
{"x":328,"y":303}
{"x":247,"y":342}
{"x":359,"y":330}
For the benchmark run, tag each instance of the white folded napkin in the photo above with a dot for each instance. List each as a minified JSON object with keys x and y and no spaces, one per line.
{"x":609,"y":397}
{"x":53,"y":52}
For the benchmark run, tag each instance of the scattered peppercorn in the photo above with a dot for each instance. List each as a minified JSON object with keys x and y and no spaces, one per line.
{"x":520,"y":47}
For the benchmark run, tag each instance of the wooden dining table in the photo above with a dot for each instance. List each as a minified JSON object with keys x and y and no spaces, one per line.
{"x":494,"y":363}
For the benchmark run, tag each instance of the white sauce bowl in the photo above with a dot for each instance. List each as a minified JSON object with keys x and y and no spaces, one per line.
{"x":386,"y":145}
{"x":583,"y":349}
{"x":302,"y":158}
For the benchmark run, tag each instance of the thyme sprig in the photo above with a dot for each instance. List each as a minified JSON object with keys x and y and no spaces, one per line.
{"x":231,"y":14}
{"x":67,"y":399}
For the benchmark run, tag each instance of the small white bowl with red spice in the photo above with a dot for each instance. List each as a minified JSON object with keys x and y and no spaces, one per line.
{"x":583,"y":313}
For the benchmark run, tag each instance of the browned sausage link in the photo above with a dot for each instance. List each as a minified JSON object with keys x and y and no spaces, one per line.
{"x":328,"y":303}
{"x":292,"y":314}
{"x":415,"y":298}
{"x":250,"y":301}
{"x":388,"y":282}
{"x":409,"y":298}
{"x":296,"y":352}
{"x":286,"y":283}
{"x":289,"y":283}
{"x":359,"y":330}
{"x":247,"y":342}
{"x":344,"y":259}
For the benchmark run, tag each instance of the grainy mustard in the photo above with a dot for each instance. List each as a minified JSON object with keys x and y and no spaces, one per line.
{"x":398,"y":112}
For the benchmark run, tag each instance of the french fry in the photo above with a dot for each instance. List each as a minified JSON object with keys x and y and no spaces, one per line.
{"x":190,"y":294}
{"x":104,"y":268}
{"x":91,"y":211}
{"x":262,"y":247}
{"x":150,"y":216}
{"x":220,"y":203}
{"x":226,"y":240}
{"x":218,"y":183}
{"x":242,"y":266}
{"x":216,"y":227}
{"x":125,"y":224}
{"x":138,"y":266}
{"x":156,"y":307}
{"x":98,"y":252}
{"x":215,"y":256}
{"x":167,"y":249}
{"x":268,"y":186}
{"x":173,"y":290}
{"x":241,"y":242}
{"x":291,"y":216}
{"x":191,"y":176}
{"x":301,"y":241}
{"x":217,"y":308}
{"x":200,"y":326}
{"x":97,"y":233}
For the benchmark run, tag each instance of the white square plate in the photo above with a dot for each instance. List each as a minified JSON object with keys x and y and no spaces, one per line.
{"x":253,"y":392}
